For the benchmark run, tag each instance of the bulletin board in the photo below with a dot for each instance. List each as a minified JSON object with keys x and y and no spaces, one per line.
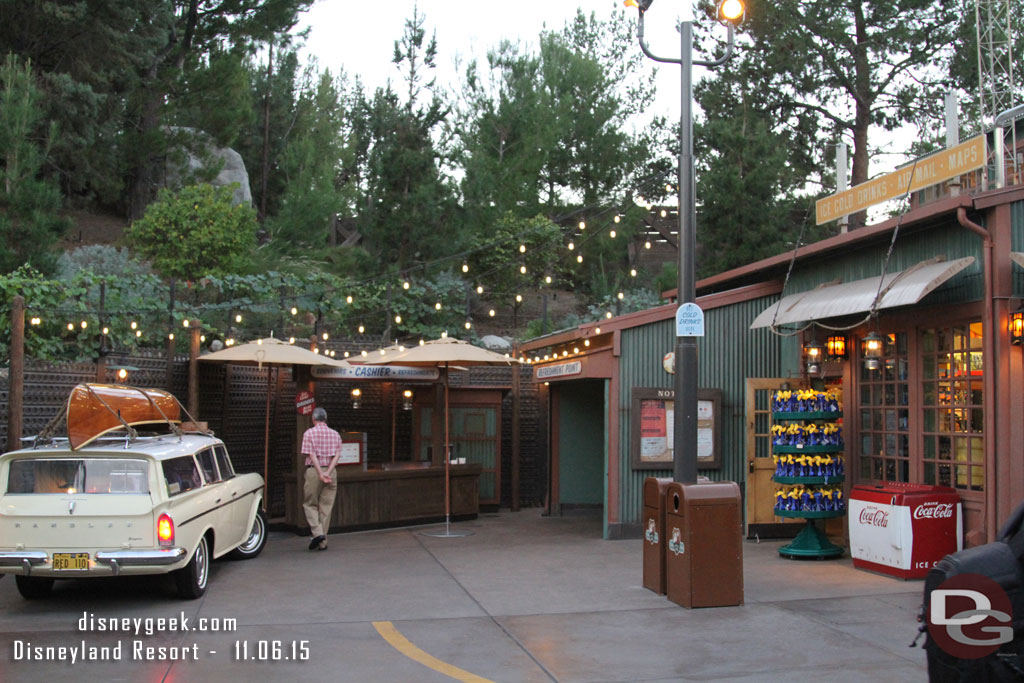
{"x":652,"y":428}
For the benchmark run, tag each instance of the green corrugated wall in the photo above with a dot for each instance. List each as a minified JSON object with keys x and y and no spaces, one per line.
{"x":728,"y":354}
{"x":949,"y":240}
{"x":1017,"y":244}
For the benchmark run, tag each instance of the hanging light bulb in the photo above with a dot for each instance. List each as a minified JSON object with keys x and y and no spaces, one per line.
{"x":421,"y":342}
{"x":571,"y":246}
{"x":437,"y":306}
{"x":519,"y":298}
{"x":361,"y":329}
{"x":632,"y":272}
{"x":522,"y":269}
{"x":363,"y":353}
{"x":348,"y":299}
{"x":444,"y":335}
{"x":647,"y":244}
{"x":612,"y":234}
{"x":668,"y":188}
{"x":230,"y":342}
{"x":491,"y":312}
{"x":479,"y":289}
{"x":71,"y":326}
{"x":469,"y":325}
{"x":294,"y":310}
{"x":621,"y":296}
{"x":401,"y":349}
{"x":106,"y":330}
{"x":85,"y":324}
{"x":398,"y":319}
{"x":522,"y":248}
{"x":122,"y":374}
{"x":238,"y":318}
{"x":617,"y":218}
{"x":407,"y":399}
{"x":346,"y":354}
{"x":608,"y":314}
{"x":291,"y":340}
{"x":664,"y":213}
{"x":170,"y":336}
{"x":583,"y":225}
{"x":579,"y":259}
{"x":597,"y":330}
{"x":36,"y":321}
{"x":575,"y":349}
{"x":134,"y":325}
{"x":465,"y":267}
{"x":405,"y":285}
{"x":586,"y":342}
{"x":138,"y":333}
{"x":325,"y":336}
{"x":202,"y":338}
{"x":184,"y":323}
{"x":547,"y":279}
{"x":383,"y":352}
{"x":357,"y":394}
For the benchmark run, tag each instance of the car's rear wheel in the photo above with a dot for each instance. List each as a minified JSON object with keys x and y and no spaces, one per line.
{"x":33,"y":587}
{"x":192,"y":578}
{"x":253,"y":544}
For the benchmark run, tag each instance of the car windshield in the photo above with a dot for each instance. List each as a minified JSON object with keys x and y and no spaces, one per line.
{"x":78,"y":475}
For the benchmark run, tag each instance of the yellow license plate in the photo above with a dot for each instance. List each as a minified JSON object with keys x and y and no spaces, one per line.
{"x":70,"y":562}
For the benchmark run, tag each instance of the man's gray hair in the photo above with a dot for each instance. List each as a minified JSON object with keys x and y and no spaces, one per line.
{"x":319,"y":415}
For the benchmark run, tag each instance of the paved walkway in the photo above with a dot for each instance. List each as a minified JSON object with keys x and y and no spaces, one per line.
{"x":526,"y":598}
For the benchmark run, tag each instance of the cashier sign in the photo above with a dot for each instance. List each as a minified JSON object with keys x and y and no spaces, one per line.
{"x":969,"y":616}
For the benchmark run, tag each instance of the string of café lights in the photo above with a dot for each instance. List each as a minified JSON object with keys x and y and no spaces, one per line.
{"x":578,"y":238}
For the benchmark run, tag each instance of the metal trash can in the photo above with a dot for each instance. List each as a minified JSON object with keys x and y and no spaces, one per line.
{"x":654,"y":533}
{"x":703,"y":545}
{"x":903,"y":529}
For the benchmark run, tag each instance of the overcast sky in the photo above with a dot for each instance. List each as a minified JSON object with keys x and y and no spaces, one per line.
{"x":359,"y":36}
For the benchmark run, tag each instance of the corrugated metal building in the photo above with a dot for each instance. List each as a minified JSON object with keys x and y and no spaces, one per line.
{"x":944,"y":407}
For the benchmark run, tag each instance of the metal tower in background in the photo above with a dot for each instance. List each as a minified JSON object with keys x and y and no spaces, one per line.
{"x":996,"y":84}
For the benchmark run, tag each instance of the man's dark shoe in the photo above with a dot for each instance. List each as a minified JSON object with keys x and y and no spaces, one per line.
{"x":315,"y":543}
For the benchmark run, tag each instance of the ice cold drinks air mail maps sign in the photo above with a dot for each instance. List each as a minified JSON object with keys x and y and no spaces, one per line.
{"x":931,"y":170}
{"x":689,"y":321}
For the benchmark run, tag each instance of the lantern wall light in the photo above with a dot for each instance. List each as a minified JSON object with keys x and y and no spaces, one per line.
{"x":1017,"y":327}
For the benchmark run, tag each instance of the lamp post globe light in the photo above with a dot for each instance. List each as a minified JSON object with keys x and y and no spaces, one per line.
{"x":730,"y":13}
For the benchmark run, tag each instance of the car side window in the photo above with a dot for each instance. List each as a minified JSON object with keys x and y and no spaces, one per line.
{"x":206,"y":461}
{"x":226,"y":470}
{"x":181,"y":475}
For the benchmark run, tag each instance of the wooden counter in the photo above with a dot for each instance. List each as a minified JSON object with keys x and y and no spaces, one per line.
{"x":403,"y":494}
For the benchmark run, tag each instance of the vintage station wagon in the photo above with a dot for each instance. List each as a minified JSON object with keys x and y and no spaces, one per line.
{"x":110,"y":500}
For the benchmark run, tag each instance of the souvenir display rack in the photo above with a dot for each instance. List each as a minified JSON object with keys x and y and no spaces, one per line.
{"x":807,"y":448}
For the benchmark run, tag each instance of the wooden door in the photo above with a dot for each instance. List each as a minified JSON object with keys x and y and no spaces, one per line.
{"x":761,"y":520}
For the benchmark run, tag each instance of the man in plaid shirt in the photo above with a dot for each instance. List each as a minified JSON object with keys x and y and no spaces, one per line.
{"x":322,"y":447}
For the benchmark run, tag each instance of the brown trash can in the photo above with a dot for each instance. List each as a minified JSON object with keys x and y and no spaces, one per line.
{"x":654,"y":533}
{"x":703,"y":545}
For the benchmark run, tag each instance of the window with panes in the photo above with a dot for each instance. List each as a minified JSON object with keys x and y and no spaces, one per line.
{"x":884,"y":452}
{"x":952,"y":375}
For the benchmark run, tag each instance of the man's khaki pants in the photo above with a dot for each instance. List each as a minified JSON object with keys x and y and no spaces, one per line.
{"x":318,"y":500}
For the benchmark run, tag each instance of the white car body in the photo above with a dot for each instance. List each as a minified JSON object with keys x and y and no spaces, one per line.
{"x":95,"y":511}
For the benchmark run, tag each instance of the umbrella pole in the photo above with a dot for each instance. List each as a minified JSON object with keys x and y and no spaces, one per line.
{"x":447,"y":458}
{"x":266,"y":446}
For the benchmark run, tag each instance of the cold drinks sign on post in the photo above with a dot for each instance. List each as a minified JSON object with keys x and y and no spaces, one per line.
{"x":689,"y":321}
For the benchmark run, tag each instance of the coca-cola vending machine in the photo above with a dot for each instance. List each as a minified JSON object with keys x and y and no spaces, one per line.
{"x":903,"y":529}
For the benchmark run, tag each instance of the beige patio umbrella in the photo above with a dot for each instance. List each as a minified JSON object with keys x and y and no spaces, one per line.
{"x":270,"y":351}
{"x":448,"y":353}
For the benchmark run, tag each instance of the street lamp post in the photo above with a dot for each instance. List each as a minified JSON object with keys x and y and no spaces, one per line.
{"x":684,"y":444}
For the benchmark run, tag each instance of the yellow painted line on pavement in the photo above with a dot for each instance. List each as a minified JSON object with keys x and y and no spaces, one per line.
{"x":391,"y":634}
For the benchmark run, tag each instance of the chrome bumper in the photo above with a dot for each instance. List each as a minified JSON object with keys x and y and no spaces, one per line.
{"x":115,"y":559}
{"x":26,"y":559}
{"x":139,"y":558}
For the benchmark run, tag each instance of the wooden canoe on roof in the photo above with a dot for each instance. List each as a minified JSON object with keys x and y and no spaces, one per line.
{"x":96,"y":409}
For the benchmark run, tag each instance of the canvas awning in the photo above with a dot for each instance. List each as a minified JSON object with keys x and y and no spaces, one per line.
{"x":1017,"y":257}
{"x":898,"y":289}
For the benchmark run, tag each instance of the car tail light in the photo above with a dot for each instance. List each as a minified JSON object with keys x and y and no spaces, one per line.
{"x":165,"y":529}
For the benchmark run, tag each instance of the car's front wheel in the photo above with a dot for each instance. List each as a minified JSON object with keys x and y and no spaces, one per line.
{"x":253,"y":544}
{"x":33,"y":587}
{"x":192,"y":578}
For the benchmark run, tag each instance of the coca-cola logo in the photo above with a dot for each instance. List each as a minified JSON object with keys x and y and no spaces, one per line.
{"x":873,"y":516}
{"x":933,"y":510}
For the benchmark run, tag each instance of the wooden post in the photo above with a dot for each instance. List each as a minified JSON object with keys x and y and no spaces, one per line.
{"x":516,"y":379}
{"x":16,"y":376}
{"x":193,"y":369}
